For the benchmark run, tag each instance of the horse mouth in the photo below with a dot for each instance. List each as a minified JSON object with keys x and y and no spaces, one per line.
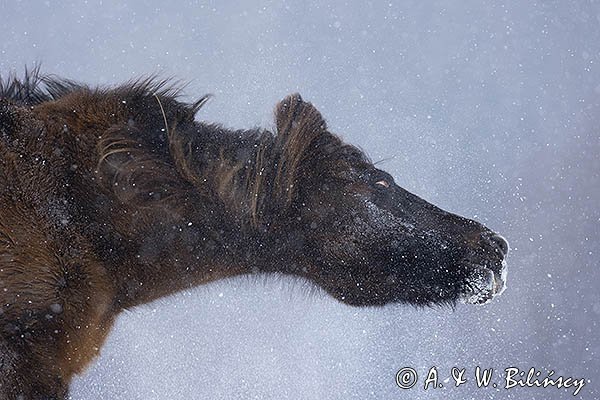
{"x":484,"y":283}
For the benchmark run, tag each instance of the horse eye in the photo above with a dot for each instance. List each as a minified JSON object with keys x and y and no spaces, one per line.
{"x":383,"y":183}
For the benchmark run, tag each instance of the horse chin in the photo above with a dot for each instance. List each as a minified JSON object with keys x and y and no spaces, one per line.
{"x":483,"y":284}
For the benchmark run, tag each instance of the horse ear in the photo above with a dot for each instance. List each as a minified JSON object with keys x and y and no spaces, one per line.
{"x":301,"y":132}
{"x":295,"y":117}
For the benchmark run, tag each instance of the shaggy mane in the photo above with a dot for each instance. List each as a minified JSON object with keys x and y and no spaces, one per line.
{"x":36,"y":88}
{"x":264,"y":182}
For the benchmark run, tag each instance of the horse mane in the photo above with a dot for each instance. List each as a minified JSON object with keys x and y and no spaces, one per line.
{"x":263,"y":182}
{"x":35,"y":88}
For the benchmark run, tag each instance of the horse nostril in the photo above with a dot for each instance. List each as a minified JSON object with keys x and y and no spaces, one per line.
{"x":500,"y":242}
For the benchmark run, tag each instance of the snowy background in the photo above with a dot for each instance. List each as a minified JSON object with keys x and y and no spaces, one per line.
{"x":490,"y":109}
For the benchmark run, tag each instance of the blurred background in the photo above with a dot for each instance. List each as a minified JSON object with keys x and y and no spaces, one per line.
{"x":489,"y":109}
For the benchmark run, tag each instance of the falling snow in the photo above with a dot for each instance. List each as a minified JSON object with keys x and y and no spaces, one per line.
{"x":483,"y":108}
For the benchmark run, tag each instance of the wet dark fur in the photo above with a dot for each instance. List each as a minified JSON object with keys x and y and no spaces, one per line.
{"x":110,"y":198}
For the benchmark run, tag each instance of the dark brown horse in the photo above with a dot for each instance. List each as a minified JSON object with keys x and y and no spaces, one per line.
{"x":111,"y":198}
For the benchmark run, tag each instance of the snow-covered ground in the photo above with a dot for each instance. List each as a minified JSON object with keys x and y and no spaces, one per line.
{"x":488,"y":109}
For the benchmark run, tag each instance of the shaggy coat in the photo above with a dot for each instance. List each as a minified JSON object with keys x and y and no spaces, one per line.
{"x":111,"y":198}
